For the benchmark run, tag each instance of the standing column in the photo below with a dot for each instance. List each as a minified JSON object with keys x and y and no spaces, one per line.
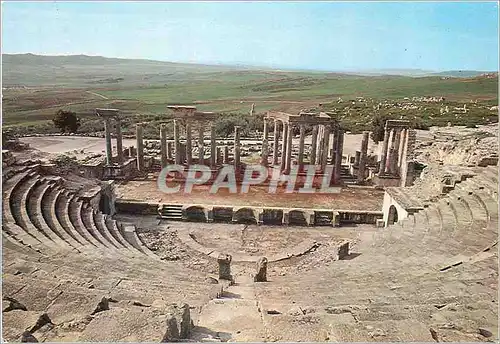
{"x":313,"y":145}
{"x":140,"y":147}
{"x":226,"y":155}
{"x":109,"y":147}
{"x":201,"y":144}
{"x":319,"y":145}
{"x":219,"y":155}
{"x":383,"y":157}
{"x":237,"y":147}
{"x":169,"y":150}
{"x":119,"y":141}
{"x":288,"y":160}
{"x":177,"y":146}
{"x":402,"y":139}
{"x":301,"y":144}
{"x":363,"y":156}
{"x":265,"y":149}
{"x":275,"y":142}
{"x":163,"y":144}
{"x":189,"y":144}
{"x":326,"y":143}
{"x":283,"y":147}
{"x":213,"y":147}
{"x":390,"y":157}
{"x":338,"y":156}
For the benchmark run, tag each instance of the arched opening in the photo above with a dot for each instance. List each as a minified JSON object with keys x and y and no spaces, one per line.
{"x":297,"y":218}
{"x":393,"y":215}
{"x":245,"y":216}
{"x":272,"y":217}
{"x":196,"y":214}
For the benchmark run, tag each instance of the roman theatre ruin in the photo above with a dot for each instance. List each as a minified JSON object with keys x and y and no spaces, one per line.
{"x":95,"y":251}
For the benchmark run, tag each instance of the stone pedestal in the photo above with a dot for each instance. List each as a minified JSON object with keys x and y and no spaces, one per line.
{"x":261,"y":270}
{"x":224,"y":261}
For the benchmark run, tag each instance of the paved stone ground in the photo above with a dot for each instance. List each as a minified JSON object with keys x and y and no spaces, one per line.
{"x":349,"y":198}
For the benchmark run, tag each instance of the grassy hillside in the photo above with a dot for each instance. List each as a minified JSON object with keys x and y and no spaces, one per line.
{"x":35,"y":87}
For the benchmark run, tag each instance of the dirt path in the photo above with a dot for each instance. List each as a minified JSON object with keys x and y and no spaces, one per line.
{"x":97,"y":94}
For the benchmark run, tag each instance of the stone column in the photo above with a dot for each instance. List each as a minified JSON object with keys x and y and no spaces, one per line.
{"x":163,"y":144}
{"x":314,"y":145}
{"x":288,"y":158}
{"x":226,"y":155}
{"x":177,"y":148}
{"x":201,"y":144}
{"x":275,"y":142}
{"x":169,"y":150}
{"x":237,"y":147}
{"x":213,"y":147}
{"x":301,"y":144}
{"x":383,"y":157}
{"x":140,"y":147}
{"x":119,"y":141}
{"x":189,"y":144}
{"x":265,"y":148}
{"x":338,"y":155}
{"x":326,"y":143}
{"x":357,"y":157}
{"x":402,"y":139}
{"x":390,"y":157}
{"x":363,"y":156}
{"x":109,"y":147}
{"x":283,"y":146}
{"x":397,"y":143}
{"x":219,"y":156}
{"x":319,"y":145}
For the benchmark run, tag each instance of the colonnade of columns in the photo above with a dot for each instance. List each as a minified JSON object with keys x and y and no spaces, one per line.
{"x":393,"y":150}
{"x":183,"y":152}
{"x":320,"y":146}
{"x":108,"y":115}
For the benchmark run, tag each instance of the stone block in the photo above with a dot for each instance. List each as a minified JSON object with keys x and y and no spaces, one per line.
{"x":224,"y":261}
{"x":343,"y":251}
{"x":261,"y":273}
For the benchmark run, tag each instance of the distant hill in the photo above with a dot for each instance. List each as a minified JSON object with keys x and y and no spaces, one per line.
{"x":82,"y":70}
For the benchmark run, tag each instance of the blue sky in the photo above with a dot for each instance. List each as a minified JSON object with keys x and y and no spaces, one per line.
{"x":320,"y":35}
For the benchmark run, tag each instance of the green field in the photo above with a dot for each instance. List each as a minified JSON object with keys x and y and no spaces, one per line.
{"x":35,"y":87}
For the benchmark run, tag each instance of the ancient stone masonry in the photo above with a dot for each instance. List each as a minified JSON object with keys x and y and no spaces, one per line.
{"x":397,"y":151}
{"x":323,"y":125}
{"x":108,"y":115}
{"x":224,"y":261}
{"x":261,"y":273}
{"x":190,"y":119}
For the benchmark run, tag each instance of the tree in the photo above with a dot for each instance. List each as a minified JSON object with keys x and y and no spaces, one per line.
{"x":66,"y":121}
{"x":378,"y":127}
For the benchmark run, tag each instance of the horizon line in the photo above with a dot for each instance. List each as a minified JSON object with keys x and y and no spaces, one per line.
{"x":276,"y":68}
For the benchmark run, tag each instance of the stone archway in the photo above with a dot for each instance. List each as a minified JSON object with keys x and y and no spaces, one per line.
{"x":245,"y":216}
{"x":393,"y":215}
{"x":297,"y":218}
{"x":196,"y":214}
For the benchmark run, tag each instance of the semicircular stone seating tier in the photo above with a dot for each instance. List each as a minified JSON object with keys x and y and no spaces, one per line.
{"x":416,"y":271}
